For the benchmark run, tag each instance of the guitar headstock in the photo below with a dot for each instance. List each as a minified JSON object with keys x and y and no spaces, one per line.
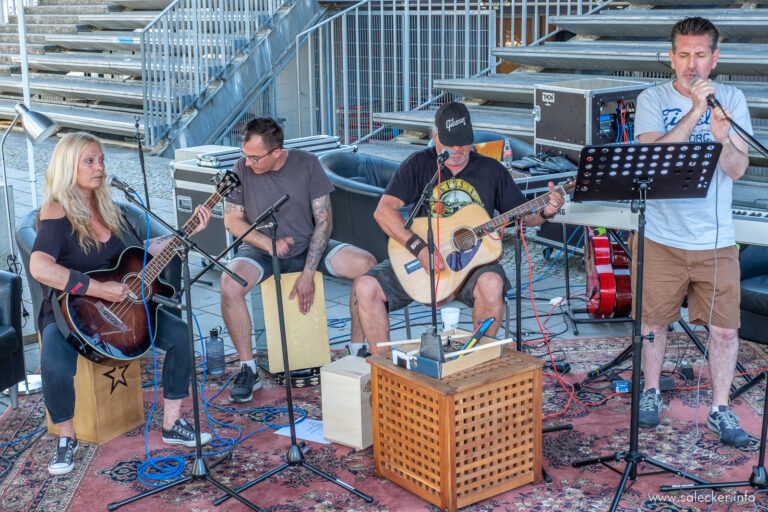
{"x":225,"y":182}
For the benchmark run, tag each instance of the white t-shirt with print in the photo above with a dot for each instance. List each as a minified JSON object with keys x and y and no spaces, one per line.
{"x":693,"y":224}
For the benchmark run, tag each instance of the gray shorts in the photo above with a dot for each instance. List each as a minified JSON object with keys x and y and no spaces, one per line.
{"x":263,"y":261}
{"x":397,"y":298}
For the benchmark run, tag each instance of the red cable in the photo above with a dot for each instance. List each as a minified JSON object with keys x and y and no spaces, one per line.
{"x":490,"y":235}
{"x":567,"y":386}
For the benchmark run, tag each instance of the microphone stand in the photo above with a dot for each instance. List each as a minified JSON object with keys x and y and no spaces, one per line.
{"x":256,"y":225}
{"x":141,"y":163}
{"x":200,"y":470}
{"x":749,"y":139}
{"x":431,"y":344}
{"x":295,"y":456}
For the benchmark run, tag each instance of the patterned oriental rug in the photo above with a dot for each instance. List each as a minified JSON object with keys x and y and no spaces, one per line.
{"x":108,"y":473}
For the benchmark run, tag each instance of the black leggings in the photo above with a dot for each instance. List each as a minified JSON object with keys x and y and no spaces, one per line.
{"x":59,"y":364}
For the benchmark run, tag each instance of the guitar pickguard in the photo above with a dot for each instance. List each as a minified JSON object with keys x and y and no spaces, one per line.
{"x":458,"y":260}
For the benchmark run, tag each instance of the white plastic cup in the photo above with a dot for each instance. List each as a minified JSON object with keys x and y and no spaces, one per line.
{"x":450,"y":317}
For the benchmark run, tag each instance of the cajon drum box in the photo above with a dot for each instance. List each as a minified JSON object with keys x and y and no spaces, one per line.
{"x":346,"y":390}
{"x":306,"y":335}
{"x":108,"y":401}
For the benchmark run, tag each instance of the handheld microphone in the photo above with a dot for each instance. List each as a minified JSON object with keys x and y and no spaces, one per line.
{"x":444,"y":155}
{"x":711,"y":100}
{"x":112,"y":181}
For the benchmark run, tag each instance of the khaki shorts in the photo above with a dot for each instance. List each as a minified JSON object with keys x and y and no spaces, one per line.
{"x":669,"y":274}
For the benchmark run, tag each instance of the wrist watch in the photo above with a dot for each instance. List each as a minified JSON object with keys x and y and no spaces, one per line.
{"x":545,"y":216}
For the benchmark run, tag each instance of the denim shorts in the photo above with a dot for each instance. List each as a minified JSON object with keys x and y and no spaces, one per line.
{"x":397,"y":298}
{"x":263,"y":261}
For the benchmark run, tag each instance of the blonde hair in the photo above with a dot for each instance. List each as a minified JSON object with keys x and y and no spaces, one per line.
{"x":61,"y":186}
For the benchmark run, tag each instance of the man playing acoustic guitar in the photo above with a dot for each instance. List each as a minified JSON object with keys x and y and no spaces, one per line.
{"x":467,"y":178}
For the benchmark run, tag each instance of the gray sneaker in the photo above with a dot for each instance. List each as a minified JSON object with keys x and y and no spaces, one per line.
{"x":650,"y":407}
{"x":726,"y":423}
{"x":63,"y":460}
{"x":183,"y":433}
{"x":246,"y":382}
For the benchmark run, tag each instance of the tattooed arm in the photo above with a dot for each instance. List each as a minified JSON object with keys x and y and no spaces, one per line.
{"x":305,"y":284}
{"x":234,"y":221}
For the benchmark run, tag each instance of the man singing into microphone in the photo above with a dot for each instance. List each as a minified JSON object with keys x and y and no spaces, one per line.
{"x":690,"y":248}
{"x":267,"y":172}
{"x":467,"y":177}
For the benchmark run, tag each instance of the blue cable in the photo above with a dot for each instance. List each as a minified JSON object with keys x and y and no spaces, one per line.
{"x":9,"y":443}
{"x":165,"y":468}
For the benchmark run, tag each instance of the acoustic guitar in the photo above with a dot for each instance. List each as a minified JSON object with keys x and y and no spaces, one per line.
{"x":110,"y":333}
{"x":463,"y":244}
{"x":609,"y":288}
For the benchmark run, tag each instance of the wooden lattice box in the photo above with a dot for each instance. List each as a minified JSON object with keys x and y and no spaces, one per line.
{"x":464,"y":438}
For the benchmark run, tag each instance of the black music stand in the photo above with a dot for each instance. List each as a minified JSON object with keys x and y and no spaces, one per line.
{"x":295,"y":456}
{"x":639,"y":172}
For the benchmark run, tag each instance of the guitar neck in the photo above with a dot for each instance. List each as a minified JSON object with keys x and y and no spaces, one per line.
{"x":531,"y":206}
{"x":162,"y":258}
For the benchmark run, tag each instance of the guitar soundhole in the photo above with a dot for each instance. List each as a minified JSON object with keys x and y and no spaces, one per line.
{"x":133,"y":281}
{"x":464,"y":239}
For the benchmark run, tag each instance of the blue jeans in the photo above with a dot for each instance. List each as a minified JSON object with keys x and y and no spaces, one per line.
{"x":58,"y":363}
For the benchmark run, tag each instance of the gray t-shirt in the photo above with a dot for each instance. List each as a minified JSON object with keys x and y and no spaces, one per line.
{"x":693,"y":224}
{"x":301,"y":177}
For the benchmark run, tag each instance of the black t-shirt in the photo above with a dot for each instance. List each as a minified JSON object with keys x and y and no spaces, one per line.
{"x":483,"y":181}
{"x":57,"y":238}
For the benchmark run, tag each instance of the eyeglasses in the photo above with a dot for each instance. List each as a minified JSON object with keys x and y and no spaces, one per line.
{"x":255,"y":159}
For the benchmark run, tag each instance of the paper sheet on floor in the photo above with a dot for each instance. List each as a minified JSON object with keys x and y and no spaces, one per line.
{"x":308,"y":430}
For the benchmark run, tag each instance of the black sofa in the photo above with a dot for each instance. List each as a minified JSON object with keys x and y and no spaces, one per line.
{"x":27,"y":231}
{"x":11,"y":340}
{"x":359,"y":181}
{"x":753,"y":260}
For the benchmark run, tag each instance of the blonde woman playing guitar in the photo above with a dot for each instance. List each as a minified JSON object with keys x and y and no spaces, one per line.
{"x":80,"y":229}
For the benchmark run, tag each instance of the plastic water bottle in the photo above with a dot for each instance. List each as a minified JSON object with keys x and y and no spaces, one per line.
{"x":506,"y":159}
{"x":214,"y":353}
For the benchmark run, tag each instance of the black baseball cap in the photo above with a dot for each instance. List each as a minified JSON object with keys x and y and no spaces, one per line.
{"x":454,"y":128}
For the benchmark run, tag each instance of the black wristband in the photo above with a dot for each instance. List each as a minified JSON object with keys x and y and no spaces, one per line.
{"x":77,"y":283}
{"x":415,"y":244}
{"x":546,"y":217}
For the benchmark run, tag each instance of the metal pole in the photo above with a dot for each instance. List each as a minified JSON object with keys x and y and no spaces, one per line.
{"x":22,"y":30}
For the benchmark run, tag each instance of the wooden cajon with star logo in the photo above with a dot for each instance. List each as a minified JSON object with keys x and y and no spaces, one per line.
{"x":108,"y":401}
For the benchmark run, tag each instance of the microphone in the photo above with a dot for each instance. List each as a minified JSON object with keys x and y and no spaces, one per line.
{"x":711,"y":100}
{"x":444,"y":155}
{"x":112,"y":181}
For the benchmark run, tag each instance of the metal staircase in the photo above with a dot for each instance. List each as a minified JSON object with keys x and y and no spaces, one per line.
{"x":616,"y":41}
{"x":178,"y":67}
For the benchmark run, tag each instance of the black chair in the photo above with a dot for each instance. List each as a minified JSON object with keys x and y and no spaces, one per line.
{"x":27,"y":231}
{"x":11,"y":343}
{"x":753,"y":260}
{"x":359,"y":181}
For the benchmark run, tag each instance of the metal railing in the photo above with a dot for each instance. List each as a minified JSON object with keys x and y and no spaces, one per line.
{"x":378,"y":56}
{"x":187,"y":49}
{"x":8,"y":8}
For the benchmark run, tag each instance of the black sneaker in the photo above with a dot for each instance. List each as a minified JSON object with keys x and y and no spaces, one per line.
{"x":246,"y":382}
{"x":183,"y":433}
{"x":726,"y":423}
{"x":650,"y":407}
{"x":363,"y":352}
{"x":63,"y":460}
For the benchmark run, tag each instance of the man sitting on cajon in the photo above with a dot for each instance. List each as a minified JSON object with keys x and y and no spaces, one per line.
{"x":267,"y":172}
